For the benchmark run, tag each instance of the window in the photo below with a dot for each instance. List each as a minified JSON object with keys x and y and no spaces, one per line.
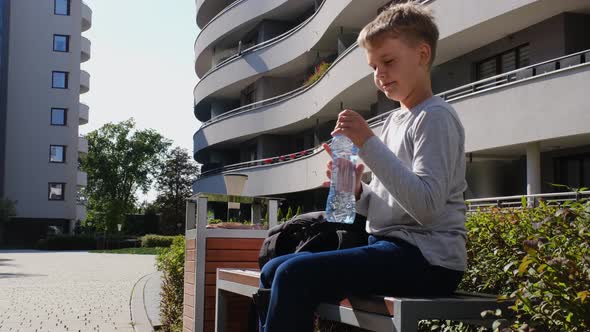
{"x":504,"y":62}
{"x":57,"y":154}
{"x":59,"y":80}
{"x":56,"y":191}
{"x":58,"y":116}
{"x":61,"y":43}
{"x":61,"y":7}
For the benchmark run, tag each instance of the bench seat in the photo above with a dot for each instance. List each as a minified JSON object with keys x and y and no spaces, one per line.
{"x":376,"y":313}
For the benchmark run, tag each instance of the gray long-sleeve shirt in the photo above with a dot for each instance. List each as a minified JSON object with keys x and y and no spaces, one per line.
{"x":416,"y":193}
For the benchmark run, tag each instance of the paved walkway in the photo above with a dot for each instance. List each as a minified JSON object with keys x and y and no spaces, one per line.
{"x":68,"y":291}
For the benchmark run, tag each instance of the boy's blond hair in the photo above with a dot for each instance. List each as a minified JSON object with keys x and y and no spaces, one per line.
{"x":409,"y":21}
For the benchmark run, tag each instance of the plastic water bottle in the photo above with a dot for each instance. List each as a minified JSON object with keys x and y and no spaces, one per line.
{"x":340,"y":205}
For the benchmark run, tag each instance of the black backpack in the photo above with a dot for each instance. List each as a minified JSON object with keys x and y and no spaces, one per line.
{"x":312,"y":232}
{"x":305,"y":232}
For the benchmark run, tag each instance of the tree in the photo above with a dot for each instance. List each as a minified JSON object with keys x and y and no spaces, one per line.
{"x":174,"y":184}
{"x":289,"y":214}
{"x":299,"y":211}
{"x":120,"y":161}
{"x":279,"y":215}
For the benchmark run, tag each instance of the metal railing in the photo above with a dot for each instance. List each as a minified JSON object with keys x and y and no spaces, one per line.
{"x":277,"y":99}
{"x":259,"y":46}
{"x":265,"y":161}
{"x":516,"y":201}
{"x":471,"y":89}
{"x":282,"y":97}
{"x":525,"y":73}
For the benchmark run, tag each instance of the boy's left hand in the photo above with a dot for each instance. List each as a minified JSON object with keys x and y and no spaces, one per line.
{"x":354,"y":126}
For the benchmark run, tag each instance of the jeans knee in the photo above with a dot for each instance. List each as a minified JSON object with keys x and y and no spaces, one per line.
{"x":264,"y":278}
{"x":290,"y":272}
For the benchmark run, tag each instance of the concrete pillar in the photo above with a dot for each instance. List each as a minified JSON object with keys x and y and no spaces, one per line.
{"x":316,"y":133}
{"x":533,"y":170}
{"x":256,"y":213}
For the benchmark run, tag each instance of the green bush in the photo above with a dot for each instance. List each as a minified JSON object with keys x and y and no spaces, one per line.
{"x":171,"y":262}
{"x":299,"y":211}
{"x":539,"y":257}
{"x":67,"y":242}
{"x":289,"y":214}
{"x":319,"y":71}
{"x":152,"y":240}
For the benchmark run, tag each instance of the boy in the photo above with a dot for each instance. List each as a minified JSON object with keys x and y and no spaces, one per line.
{"x":414,"y":204}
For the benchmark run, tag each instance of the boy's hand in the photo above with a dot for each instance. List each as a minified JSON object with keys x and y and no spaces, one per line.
{"x":354,"y":126}
{"x":358,"y":173}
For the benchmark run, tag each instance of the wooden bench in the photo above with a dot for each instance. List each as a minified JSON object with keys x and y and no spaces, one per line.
{"x":375,"y":313}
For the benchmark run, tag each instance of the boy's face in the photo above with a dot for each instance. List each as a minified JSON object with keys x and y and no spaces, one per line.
{"x":398,"y":68}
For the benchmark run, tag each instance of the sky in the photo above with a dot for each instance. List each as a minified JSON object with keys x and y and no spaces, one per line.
{"x":142,"y":67}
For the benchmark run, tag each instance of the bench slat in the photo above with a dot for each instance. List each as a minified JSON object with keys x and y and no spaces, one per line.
{"x":377,"y":304}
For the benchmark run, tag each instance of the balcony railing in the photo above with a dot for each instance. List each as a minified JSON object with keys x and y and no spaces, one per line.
{"x":282,"y":97}
{"x":264,"y":44}
{"x":273,"y":100}
{"x":537,"y":70}
{"x":502,"y":80}
{"x":263,"y":162}
{"x":529,"y":200}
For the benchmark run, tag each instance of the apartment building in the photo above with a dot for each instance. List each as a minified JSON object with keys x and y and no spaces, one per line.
{"x":274,"y":74}
{"x":41,"y":49}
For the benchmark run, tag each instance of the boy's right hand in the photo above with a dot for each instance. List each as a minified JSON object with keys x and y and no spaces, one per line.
{"x":358,"y":173}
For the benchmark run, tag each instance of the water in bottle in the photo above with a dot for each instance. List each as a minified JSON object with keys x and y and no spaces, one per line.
{"x":340,"y":205}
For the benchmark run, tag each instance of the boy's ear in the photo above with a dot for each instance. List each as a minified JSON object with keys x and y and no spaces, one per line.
{"x":425,"y":53}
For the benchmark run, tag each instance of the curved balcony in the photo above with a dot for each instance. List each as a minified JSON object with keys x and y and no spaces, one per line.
{"x":86,"y":17}
{"x":82,"y":144}
{"x":82,"y":179}
{"x":287,"y":50}
{"x":507,"y":103}
{"x":457,"y":38}
{"x":84,"y":81}
{"x":208,"y":9}
{"x":85,"y":49}
{"x":291,"y":108}
{"x":83,"y":112}
{"x":235,"y":20}
{"x":466,"y":25}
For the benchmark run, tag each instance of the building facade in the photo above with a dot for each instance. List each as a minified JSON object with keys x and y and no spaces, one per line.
{"x":274,"y":74}
{"x":41,"y":51}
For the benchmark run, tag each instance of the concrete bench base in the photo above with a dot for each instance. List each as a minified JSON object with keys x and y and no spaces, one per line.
{"x":376,"y":313}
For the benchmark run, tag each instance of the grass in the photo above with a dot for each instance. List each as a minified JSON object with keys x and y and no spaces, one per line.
{"x":132,"y":251}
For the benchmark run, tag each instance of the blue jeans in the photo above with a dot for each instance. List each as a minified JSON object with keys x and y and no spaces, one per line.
{"x":300,"y":281}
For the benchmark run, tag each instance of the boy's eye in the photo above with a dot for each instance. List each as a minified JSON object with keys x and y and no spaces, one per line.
{"x":388,"y":62}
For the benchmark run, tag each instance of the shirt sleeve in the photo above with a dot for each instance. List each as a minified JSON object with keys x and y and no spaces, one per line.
{"x":423,"y":190}
{"x":362,"y":204}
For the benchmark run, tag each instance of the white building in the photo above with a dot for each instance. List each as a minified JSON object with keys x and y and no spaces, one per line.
{"x":41,"y":50}
{"x":516,"y":72}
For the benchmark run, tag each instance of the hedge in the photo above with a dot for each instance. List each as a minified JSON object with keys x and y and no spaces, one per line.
{"x":153,"y":240}
{"x":171,"y":262}
{"x":85,"y":242}
{"x":67,"y":242}
{"x":540,"y":257}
